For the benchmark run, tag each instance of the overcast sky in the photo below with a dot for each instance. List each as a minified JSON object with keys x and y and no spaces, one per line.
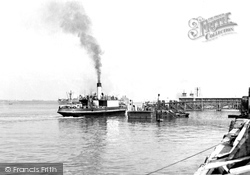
{"x":145,"y":50}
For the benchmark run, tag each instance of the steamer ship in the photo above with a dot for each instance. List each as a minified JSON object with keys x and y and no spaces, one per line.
{"x":94,"y":105}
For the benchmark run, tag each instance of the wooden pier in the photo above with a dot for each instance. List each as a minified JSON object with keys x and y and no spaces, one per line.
{"x":199,"y":104}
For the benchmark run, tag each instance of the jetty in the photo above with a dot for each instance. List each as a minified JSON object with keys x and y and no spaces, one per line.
{"x":200,"y":104}
{"x":158,"y":110}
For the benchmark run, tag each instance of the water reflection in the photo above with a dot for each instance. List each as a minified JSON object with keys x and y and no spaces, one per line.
{"x":135,"y":121}
{"x":84,"y":141}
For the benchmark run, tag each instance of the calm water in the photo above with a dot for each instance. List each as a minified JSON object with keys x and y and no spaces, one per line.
{"x":34,"y":132}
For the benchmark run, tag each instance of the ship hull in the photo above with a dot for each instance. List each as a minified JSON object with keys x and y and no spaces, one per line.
{"x":80,"y":112}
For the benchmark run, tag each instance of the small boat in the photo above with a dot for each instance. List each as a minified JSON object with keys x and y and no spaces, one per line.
{"x":181,"y":114}
{"x":177,"y":114}
{"x":232,"y":155}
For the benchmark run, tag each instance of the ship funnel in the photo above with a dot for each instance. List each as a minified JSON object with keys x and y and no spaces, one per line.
{"x":99,"y":90}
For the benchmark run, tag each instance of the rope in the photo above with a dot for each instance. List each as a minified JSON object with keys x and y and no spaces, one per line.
{"x":183,"y":159}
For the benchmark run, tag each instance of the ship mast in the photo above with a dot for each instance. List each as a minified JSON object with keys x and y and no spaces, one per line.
{"x":70,"y":95}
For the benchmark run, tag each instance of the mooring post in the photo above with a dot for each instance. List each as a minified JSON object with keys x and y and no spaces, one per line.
{"x":158,"y":110}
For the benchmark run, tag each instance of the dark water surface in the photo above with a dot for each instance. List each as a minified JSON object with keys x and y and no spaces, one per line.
{"x":35,"y":133}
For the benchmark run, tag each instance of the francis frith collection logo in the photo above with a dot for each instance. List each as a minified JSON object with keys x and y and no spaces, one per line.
{"x":211,"y":28}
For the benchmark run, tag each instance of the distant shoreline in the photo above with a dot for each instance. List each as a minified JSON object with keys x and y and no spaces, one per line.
{"x":10,"y":102}
{"x":29,"y":100}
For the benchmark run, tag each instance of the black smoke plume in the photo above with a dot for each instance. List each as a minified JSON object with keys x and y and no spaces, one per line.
{"x":71,"y":17}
